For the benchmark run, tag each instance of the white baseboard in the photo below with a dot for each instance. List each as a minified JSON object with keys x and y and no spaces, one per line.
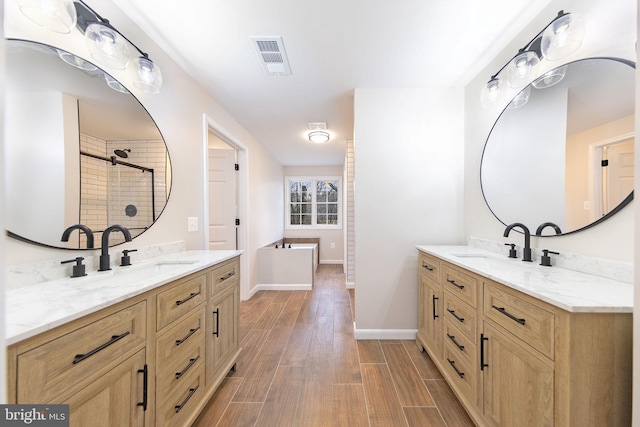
{"x":351,"y":285}
{"x":384,"y":334}
{"x":284,"y":287}
{"x":331,"y":261}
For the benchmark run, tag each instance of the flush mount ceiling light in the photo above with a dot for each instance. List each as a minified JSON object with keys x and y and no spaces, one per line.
{"x":561,"y":37}
{"x":55,"y":15}
{"x":107,"y":45}
{"x":318,"y":133}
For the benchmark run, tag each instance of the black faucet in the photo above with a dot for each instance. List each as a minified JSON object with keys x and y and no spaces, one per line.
{"x":526,"y":251}
{"x":87,"y":232}
{"x":104,"y":256}
{"x":548,"y":224}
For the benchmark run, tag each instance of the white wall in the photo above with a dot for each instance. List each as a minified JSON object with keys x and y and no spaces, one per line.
{"x":178,"y":110}
{"x":3,"y":358}
{"x":408,"y":191}
{"x":328,"y":255}
{"x":610,"y":31}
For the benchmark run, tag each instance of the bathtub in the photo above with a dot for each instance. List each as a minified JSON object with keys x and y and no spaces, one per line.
{"x":289,"y":268}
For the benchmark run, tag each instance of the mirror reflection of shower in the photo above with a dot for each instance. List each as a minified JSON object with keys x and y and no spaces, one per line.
{"x":122,"y":153}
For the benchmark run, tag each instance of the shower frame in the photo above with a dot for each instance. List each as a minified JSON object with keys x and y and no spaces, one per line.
{"x":114,"y":161}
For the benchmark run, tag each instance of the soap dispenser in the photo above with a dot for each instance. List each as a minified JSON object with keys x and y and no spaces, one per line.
{"x":512,"y":251}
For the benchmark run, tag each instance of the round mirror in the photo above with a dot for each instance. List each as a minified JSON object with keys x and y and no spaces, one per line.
{"x":565,"y":157}
{"x":79,"y":149}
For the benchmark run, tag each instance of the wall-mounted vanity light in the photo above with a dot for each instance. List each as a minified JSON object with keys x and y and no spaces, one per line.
{"x":559,"y":38}
{"x":107,"y":45}
{"x":318,"y":133}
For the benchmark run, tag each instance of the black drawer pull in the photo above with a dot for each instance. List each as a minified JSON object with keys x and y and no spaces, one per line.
{"x":453,"y":365}
{"x":145,"y":387}
{"x":186,"y":368}
{"x":427,"y":267}
{"x":184,"y":402}
{"x":453,"y":339}
{"x":191,"y":332}
{"x":217,"y":313}
{"x":228,"y":275}
{"x":433,"y":300}
{"x":191,"y":295}
{"x":482,"y":340}
{"x":80,"y":357}
{"x":453,"y":313}
{"x":509,"y":315}
{"x":453,"y":282}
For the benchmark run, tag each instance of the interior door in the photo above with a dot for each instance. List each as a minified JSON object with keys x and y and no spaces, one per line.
{"x":222,"y":199}
{"x":619,"y":173}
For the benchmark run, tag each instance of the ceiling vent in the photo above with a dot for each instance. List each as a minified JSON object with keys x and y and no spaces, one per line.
{"x":270,"y":51}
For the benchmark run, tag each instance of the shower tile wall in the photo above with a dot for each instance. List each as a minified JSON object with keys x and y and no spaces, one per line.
{"x":107,"y":190}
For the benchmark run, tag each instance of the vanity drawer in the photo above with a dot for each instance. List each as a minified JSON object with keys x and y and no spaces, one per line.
{"x":176,"y":342}
{"x":460,"y":344}
{"x":429,"y":267}
{"x":180,"y":299}
{"x":79,"y":354}
{"x":527,"y":321}
{"x":462,"y":374}
{"x":462,"y":315}
{"x":461,"y":285}
{"x":224,"y":275}
{"x":179,"y":407}
{"x":172,"y":374}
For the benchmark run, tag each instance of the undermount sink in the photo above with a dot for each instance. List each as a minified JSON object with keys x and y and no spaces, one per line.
{"x":470,"y":255}
{"x":136,"y":272}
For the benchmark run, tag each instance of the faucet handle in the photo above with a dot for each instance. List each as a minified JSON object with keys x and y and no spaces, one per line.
{"x":545,"y":259}
{"x":126,"y":259}
{"x":78,"y":269}
{"x":512,"y":251}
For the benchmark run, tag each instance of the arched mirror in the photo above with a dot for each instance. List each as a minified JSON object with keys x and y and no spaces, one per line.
{"x":79,"y":149}
{"x":566,"y":156}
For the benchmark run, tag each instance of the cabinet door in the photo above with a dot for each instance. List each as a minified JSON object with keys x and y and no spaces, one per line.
{"x":114,"y":399}
{"x":222,"y":333}
{"x":431,"y":319}
{"x":518,"y":384}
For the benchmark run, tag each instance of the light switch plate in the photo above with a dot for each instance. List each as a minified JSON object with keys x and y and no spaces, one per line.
{"x":192,"y":223}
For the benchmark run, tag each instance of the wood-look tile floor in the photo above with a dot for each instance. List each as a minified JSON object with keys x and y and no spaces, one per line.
{"x":301,"y":366}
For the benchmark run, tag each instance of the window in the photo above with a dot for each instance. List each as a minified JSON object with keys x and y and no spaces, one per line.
{"x":313,"y":202}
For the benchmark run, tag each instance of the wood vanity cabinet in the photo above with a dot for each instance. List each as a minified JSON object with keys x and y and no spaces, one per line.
{"x":431,"y":303}
{"x":145,"y":361}
{"x":514,"y":360}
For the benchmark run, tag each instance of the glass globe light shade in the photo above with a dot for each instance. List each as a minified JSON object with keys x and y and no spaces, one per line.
{"x":520,"y":99}
{"x":55,"y":15}
{"x":550,"y":78}
{"x":148,"y":76}
{"x":76,"y":61}
{"x":492,"y":93}
{"x":562,"y":37}
{"x":107,"y":46}
{"x":522,"y":69}
{"x":114,"y":84}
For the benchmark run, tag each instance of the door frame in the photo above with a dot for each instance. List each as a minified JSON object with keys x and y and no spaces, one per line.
{"x":595,"y":172}
{"x":210,"y":125}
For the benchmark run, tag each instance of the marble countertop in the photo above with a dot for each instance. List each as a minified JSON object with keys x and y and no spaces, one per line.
{"x":36,"y":308}
{"x":567,"y":289}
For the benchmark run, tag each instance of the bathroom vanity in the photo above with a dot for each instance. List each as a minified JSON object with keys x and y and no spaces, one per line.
{"x":526,"y":345}
{"x":138,"y":346}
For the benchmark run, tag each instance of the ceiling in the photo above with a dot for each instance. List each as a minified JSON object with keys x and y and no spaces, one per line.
{"x":333,"y":47}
